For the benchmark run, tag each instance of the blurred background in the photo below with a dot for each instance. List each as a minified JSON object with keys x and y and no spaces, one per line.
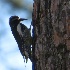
{"x":10,"y":56}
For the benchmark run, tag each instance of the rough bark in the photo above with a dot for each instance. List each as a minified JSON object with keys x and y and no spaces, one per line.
{"x":51,"y":35}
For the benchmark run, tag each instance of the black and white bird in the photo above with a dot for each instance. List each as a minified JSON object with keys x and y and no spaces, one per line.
{"x":22,"y":35}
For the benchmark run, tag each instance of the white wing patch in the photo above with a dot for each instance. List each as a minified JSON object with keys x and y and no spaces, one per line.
{"x":19,"y":30}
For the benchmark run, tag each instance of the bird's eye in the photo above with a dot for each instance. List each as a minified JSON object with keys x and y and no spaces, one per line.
{"x":15,"y":19}
{"x":18,"y":18}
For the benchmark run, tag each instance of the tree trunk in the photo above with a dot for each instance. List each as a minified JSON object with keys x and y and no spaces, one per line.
{"x":51,"y":35}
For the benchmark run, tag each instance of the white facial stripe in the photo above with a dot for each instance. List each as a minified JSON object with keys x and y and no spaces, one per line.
{"x":19,"y":30}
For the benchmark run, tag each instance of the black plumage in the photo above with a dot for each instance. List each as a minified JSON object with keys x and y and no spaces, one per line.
{"x":21,"y":34}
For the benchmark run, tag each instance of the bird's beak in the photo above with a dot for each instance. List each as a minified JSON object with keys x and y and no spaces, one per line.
{"x":21,"y":19}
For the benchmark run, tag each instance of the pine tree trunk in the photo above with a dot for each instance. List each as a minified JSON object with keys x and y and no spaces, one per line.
{"x":51,"y":35}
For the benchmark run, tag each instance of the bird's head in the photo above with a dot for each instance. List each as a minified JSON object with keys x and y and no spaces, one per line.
{"x":15,"y":20}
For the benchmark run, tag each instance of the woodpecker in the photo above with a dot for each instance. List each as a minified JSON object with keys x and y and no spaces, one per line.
{"x":22,"y":35}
